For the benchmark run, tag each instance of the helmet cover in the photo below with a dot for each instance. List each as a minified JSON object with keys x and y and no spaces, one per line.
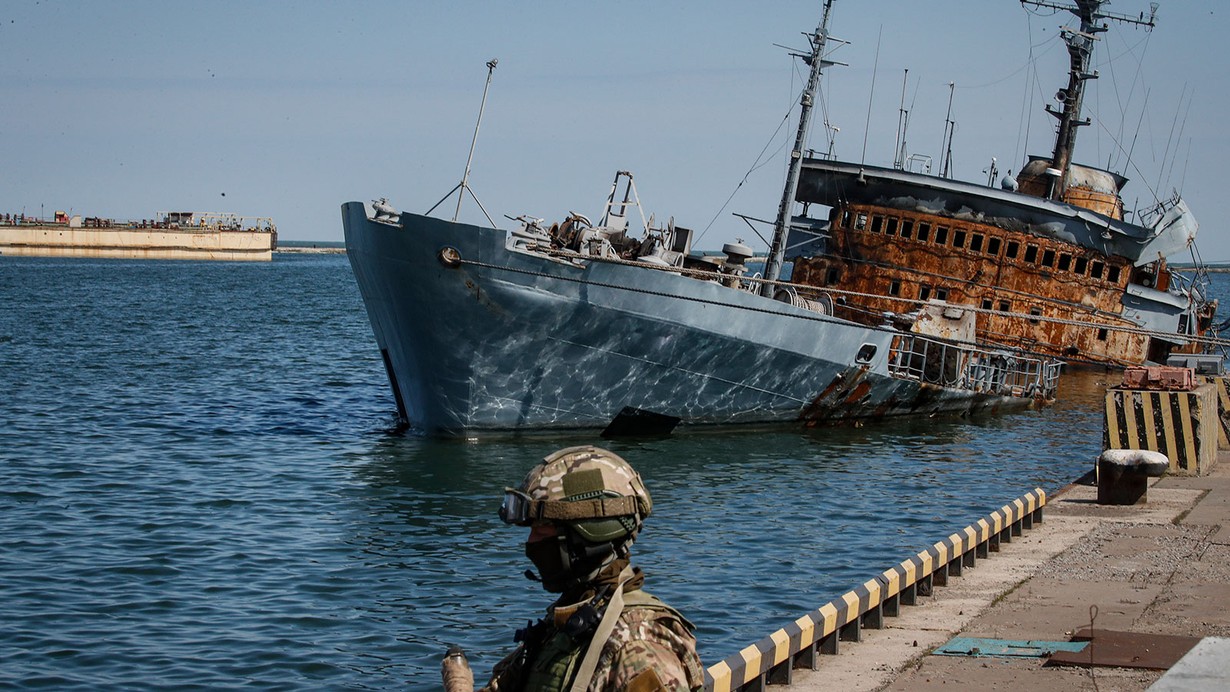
{"x":583,"y":473}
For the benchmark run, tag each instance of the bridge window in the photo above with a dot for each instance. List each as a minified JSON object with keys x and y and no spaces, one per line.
{"x":1005,"y":306}
{"x":833,"y":275}
{"x":845,"y":219}
{"x":894,"y":288}
{"x":1081,"y":264}
{"x":993,"y":244}
{"x":924,"y":292}
{"x":1112,"y":274}
{"x":1065,"y":261}
{"x":924,"y":230}
{"x":877,"y":223}
{"x":1102,"y":333}
{"x":1031,"y":253}
{"x":891,"y":227}
{"x":975,"y":242}
{"x":987,"y":303}
{"x":941,"y":294}
{"x":1036,"y":312}
{"x":1095,"y":270}
{"x":860,"y":221}
{"x":1048,"y":258}
{"x":906,"y":229}
{"x":958,"y":238}
{"x":1012,"y":249}
{"x":941,"y":235}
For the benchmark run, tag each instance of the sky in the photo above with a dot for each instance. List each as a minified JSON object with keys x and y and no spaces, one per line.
{"x":126,"y":108}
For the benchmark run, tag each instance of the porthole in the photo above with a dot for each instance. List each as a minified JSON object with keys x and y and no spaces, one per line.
{"x":865,"y":353}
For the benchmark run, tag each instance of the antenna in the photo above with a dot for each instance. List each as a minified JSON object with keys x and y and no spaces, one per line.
{"x":902,"y":119}
{"x":464,"y":186}
{"x":1094,"y":8}
{"x":832,"y":131}
{"x":949,"y":129}
{"x":875,"y":68}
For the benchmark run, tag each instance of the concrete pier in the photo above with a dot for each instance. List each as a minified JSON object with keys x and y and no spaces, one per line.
{"x":137,"y":243}
{"x":1158,"y":568}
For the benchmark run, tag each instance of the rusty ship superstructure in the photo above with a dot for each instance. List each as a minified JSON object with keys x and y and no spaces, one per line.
{"x":1048,"y":260}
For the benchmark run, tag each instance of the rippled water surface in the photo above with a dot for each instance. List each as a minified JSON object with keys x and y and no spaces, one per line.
{"x":199,"y":488}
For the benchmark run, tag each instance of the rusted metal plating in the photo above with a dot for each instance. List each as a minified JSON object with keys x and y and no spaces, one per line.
{"x":1028,"y":285}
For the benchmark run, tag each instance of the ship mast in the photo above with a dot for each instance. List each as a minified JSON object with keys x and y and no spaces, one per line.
{"x":777,"y":251}
{"x":1080,"y":55}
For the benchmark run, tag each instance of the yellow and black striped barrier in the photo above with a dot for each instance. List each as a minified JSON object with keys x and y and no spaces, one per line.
{"x":801,"y":643}
{"x":1185,"y":426}
{"x":1223,"y":409}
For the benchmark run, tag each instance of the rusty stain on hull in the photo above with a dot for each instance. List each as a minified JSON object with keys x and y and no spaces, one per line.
{"x":846,"y":399}
{"x":829,"y":400}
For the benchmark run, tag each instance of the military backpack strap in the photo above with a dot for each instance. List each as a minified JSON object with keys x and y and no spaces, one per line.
{"x":613,"y":609}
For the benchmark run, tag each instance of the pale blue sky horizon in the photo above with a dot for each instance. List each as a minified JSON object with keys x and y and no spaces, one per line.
{"x":121,"y":109}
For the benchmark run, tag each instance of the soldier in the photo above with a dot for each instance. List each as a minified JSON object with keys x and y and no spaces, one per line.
{"x":585,"y":506}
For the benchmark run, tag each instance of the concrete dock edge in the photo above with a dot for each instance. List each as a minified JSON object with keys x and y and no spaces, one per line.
{"x":816,"y":635}
{"x":1162,"y":567}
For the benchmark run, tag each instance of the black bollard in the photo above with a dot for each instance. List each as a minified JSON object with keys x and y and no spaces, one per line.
{"x":1123,"y":475}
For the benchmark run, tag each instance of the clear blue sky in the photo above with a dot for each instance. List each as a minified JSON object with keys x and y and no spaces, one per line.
{"x":280,"y":109}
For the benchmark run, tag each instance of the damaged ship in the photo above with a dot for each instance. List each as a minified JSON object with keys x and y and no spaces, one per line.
{"x":582,"y":324}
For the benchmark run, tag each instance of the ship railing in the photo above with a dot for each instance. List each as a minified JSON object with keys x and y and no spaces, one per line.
{"x":966,"y":366}
{"x":1151,"y":215}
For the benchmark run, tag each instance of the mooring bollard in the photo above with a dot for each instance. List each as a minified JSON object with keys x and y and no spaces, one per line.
{"x":1123,"y":475}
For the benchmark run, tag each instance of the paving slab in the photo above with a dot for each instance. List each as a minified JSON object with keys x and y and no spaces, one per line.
{"x":1049,"y":608}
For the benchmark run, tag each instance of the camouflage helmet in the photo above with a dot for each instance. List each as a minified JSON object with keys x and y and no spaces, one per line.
{"x":591,"y":490}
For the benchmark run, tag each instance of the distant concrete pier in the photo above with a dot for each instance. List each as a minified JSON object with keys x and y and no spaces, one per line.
{"x":207,"y":244}
{"x":171,"y":235}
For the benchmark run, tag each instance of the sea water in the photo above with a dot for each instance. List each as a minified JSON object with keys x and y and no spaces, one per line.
{"x":201,"y":487}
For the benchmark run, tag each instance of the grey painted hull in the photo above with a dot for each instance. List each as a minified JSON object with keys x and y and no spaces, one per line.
{"x":509,"y":341}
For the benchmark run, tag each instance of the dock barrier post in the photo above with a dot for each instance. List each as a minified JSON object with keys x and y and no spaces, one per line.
{"x":802,"y":643}
{"x":1185,"y":425}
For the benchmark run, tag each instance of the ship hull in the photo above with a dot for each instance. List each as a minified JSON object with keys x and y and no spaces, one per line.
{"x":506,"y":340}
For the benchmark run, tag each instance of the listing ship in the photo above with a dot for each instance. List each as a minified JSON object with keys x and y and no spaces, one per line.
{"x":1048,"y":261}
{"x":169,"y":235}
{"x":579,"y":324}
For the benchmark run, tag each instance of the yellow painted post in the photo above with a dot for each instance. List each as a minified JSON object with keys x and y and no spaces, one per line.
{"x":1223,"y":409}
{"x":1185,"y":426}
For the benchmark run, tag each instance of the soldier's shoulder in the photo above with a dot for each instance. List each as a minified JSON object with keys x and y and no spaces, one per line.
{"x":642,"y":605}
{"x":651,"y":634}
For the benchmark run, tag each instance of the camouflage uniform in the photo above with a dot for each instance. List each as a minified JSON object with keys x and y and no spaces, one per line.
{"x":649,"y":636}
{"x":596,"y":504}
